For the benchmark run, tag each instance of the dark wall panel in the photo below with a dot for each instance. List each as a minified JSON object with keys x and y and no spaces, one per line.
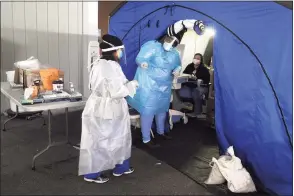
{"x":104,"y":10}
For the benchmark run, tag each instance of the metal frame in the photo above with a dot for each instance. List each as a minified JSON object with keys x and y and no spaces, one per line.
{"x":52,"y":143}
{"x":17,"y":114}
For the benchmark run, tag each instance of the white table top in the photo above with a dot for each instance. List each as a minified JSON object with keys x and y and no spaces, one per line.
{"x":16,"y":94}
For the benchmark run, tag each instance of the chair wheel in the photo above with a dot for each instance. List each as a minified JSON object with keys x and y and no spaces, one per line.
{"x":34,"y":168}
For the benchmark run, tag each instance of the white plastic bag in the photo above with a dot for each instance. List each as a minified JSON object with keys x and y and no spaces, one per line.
{"x":215,"y":176}
{"x":239,"y":180}
{"x":30,"y":64}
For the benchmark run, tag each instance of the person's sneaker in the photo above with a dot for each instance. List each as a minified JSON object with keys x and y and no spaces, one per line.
{"x":165,"y":136}
{"x":99,"y":180}
{"x":152,"y":144}
{"x":129,"y":171}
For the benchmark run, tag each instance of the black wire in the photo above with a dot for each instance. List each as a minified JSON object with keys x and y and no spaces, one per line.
{"x":166,"y":9}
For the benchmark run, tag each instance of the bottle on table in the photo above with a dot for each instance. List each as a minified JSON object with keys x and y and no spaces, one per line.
{"x":58,"y":85}
{"x":71,"y":88}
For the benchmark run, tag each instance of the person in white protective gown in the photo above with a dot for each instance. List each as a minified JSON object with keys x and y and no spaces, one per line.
{"x":106,"y":131}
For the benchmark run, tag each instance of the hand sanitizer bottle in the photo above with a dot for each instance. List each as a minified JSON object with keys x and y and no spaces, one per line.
{"x":71,"y":88}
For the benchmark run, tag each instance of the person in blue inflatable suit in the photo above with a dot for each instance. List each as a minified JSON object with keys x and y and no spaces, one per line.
{"x":159,"y":62}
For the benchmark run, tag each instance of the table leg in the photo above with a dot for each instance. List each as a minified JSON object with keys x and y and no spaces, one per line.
{"x":66,"y":131}
{"x":50,"y":142}
{"x":77,"y":146}
{"x":16,"y":114}
{"x":66,"y":124}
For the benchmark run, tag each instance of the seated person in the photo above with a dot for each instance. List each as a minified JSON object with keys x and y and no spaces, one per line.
{"x":198,"y":72}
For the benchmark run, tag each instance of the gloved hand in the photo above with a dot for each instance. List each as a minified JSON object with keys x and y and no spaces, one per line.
{"x":132,"y":87}
{"x":135,"y":83}
{"x":144,"y":65}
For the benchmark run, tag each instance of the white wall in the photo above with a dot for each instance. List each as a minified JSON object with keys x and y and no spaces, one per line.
{"x":57,"y":33}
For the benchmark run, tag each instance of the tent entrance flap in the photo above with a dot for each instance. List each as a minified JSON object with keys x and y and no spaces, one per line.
{"x":253,"y":95}
{"x":243,"y":42}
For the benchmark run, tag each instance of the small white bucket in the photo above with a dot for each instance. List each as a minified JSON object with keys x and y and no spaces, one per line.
{"x":13,"y":107}
{"x":10,"y":76}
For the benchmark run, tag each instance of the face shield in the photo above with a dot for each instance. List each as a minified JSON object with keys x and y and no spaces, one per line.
{"x":122,"y":55}
{"x":120,"y":52}
{"x":170,"y":42}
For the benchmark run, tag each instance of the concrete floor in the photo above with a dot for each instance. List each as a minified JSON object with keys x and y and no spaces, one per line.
{"x":56,"y":171}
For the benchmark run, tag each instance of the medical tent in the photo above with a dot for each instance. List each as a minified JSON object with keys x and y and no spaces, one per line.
{"x":252,"y":55}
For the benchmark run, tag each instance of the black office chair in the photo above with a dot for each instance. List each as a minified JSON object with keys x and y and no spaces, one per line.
{"x":190,"y":100}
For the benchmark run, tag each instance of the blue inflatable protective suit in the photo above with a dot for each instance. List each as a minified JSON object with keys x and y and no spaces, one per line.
{"x":155,"y":82}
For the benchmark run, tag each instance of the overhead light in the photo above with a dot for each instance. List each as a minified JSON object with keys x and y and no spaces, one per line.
{"x":209,"y":32}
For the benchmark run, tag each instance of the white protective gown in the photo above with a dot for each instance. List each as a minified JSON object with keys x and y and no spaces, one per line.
{"x":106,"y":131}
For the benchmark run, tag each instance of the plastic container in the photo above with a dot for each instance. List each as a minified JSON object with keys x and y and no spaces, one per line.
{"x":71,"y":87}
{"x":13,"y":107}
{"x":10,"y":76}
